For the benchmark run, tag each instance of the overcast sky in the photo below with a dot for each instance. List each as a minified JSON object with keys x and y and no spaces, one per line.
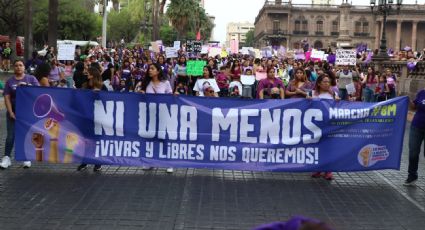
{"x":226,"y":11}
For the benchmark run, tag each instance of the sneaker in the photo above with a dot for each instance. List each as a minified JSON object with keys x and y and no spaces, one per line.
{"x":82,"y":167}
{"x":26,"y":164}
{"x":5,"y":162}
{"x":410,"y":181}
{"x":170,"y":170}
{"x":316,"y":174}
{"x":329,"y":176}
{"x":97,"y":168}
{"x":146,"y":168}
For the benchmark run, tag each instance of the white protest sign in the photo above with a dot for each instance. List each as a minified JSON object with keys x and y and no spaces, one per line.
{"x":317,"y":54}
{"x":345,"y":57}
{"x":248,"y":79}
{"x":204,"y":49}
{"x":177,"y":44}
{"x":214,"y":51}
{"x":171,"y":52}
{"x":155,"y":47}
{"x":66,"y":52}
{"x":351,"y":89}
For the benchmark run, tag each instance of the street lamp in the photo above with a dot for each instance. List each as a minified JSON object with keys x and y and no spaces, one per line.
{"x":384,"y":7}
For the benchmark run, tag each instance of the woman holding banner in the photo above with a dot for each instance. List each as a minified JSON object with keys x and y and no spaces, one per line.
{"x":300,"y":86}
{"x":94,"y":83}
{"x":416,"y":136}
{"x":270,"y":87}
{"x":323,"y":90}
{"x":9,"y":93}
{"x":207,"y":78}
{"x":155,"y":82}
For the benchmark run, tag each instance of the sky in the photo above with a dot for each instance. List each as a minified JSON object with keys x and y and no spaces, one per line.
{"x":226,"y":11}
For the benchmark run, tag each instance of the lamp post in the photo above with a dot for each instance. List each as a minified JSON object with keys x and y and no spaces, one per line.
{"x":384,"y":7}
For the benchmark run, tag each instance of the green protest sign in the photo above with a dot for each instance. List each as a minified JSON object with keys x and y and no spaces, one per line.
{"x":195,"y":68}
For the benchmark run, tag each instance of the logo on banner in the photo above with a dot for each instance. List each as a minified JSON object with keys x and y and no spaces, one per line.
{"x":370,"y":154}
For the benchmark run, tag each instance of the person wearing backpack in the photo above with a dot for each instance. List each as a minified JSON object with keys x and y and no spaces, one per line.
{"x":5,"y":55}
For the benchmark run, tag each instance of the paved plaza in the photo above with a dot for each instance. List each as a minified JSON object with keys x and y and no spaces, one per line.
{"x":49,"y":196}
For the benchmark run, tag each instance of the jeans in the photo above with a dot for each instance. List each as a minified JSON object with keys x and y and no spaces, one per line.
{"x":416,"y":137}
{"x":10,"y":138}
{"x":343,"y":94}
{"x":368,"y":95}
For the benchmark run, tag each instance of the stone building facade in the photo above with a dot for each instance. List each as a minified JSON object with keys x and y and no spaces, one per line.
{"x":287,"y":24}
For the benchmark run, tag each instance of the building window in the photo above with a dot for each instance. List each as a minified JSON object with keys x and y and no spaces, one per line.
{"x":304,"y":25}
{"x":358,"y":27}
{"x":335,"y":26}
{"x":276,"y":25}
{"x":319,"y":26}
{"x":297,"y":25}
{"x":365,"y":27}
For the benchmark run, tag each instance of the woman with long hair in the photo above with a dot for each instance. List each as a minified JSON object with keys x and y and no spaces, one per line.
{"x":155,"y":82}
{"x":94,"y":83}
{"x":206,"y":77}
{"x":369,"y":82}
{"x":300,"y":86}
{"x":323,"y":90}
{"x":270,"y":87}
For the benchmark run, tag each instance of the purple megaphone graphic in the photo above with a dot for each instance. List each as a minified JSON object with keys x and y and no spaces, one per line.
{"x":45,"y":107}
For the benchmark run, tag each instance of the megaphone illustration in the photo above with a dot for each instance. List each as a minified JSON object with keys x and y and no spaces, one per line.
{"x":45,"y":107}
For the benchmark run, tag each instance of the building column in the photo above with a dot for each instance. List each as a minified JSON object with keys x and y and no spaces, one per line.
{"x":377,"y":34}
{"x":414,"y":36}
{"x":398,"y":36}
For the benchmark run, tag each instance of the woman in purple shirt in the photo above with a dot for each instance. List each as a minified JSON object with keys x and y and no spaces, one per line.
{"x":416,"y":136}
{"x":9,"y":94}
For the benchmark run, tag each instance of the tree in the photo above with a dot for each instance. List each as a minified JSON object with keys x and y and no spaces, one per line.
{"x":168,"y":34}
{"x":74,"y":20}
{"x":121,"y":25}
{"x":187,"y":17}
{"x":12,"y":15}
{"x":28,"y":30}
{"x":249,"y":41}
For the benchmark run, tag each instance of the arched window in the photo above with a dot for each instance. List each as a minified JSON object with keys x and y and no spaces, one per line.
{"x":297,"y":25}
{"x":335,"y":26}
{"x":319,"y":26}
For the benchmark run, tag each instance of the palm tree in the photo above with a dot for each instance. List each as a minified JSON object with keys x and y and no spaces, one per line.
{"x":179,"y":12}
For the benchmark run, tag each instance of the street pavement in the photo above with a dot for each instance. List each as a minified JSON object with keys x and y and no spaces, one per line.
{"x":49,"y":196}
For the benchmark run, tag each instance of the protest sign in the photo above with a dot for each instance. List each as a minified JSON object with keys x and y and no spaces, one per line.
{"x":204,"y":49}
{"x":171,"y":52}
{"x":214,"y":51}
{"x":317,"y":54}
{"x":66,"y":52}
{"x":345,"y":57}
{"x":294,"y":135}
{"x":155,"y":47}
{"x":248,"y":79}
{"x":195,"y":68}
{"x":234,"y":46}
{"x":176,"y":45}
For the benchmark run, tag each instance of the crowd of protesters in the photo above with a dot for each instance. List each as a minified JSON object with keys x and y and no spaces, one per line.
{"x":139,"y":70}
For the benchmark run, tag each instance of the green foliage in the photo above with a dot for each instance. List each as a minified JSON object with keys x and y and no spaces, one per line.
{"x":121,"y":25}
{"x":168,"y":35}
{"x":249,"y":41}
{"x":75,"y":22}
{"x":188,"y":17}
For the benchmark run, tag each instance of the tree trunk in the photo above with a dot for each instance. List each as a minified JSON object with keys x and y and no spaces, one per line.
{"x":116,"y":5}
{"x":53,"y":23}
{"x":12,"y":38}
{"x":29,"y":43}
{"x":154,"y":20}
